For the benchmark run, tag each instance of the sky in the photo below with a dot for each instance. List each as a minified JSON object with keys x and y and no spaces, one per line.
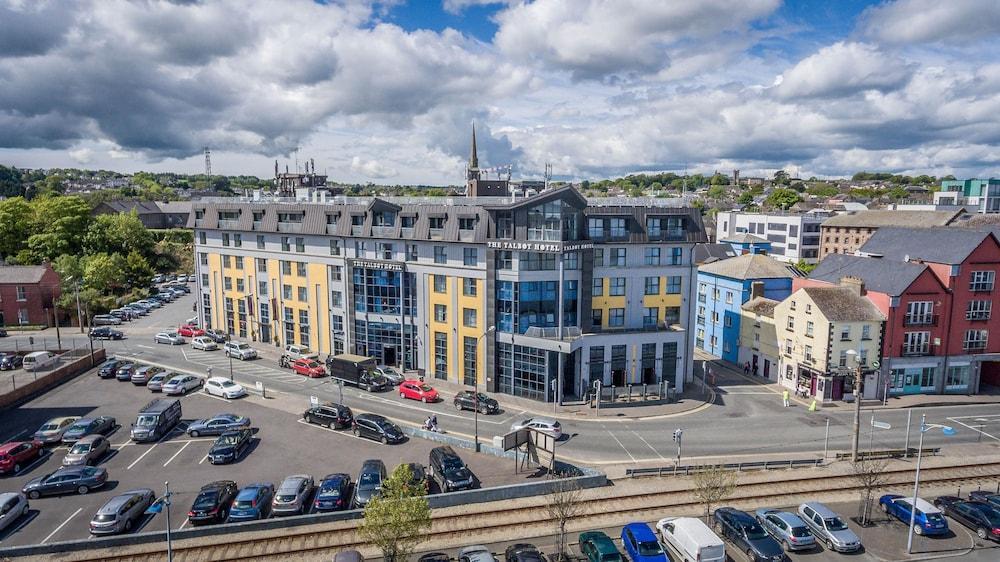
{"x":387,"y":91}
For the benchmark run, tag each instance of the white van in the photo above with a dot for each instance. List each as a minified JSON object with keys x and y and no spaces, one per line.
{"x":690,"y":540}
{"x":39,"y":360}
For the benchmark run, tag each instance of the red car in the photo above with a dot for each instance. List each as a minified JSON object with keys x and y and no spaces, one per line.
{"x":416,"y":390}
{"x":15,"y":456}
{"x":190,"y":331}
{"x":309,"y":367}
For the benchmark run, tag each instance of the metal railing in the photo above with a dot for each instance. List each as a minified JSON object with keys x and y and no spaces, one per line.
{"x":921,"y":320}
{"x":916,"y":350}
{"x":686,"y":470}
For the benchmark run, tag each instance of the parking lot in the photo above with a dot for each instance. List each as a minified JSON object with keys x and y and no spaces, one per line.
{"x":283,"y":445}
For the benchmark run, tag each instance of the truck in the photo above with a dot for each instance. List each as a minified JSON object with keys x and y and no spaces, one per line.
{"x":356,"y":370}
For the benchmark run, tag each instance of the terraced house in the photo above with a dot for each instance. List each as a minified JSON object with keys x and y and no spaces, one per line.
{"x":535,"y":296}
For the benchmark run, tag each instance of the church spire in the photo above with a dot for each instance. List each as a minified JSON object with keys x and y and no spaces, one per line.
{"x":473,"y":156}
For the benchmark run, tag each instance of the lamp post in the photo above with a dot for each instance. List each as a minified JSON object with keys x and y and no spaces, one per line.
{"x":924,"y":427}
{"x":475,"y":388}
{"x":857,"y":404}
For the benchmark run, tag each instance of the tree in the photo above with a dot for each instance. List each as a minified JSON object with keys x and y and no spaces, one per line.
{"x":781,"y":177}
{"x":66,"y":218}
{"x":118,"y":232}
{"x":137,"y":271}
{"x":396,"y":519}
{"x":103,"y":272}
{"x":712,"y":484}
{"x":870,"y":475}
{"x":563,"y":506}
{"x":15,"y":224}
{"x":717,"y":191}
{"x":822,"y":189}
{"x":719,"y":179}
{"x":745,"y":198}
{"x":11,"y":182}
{"x":805,"y":267}
{"x":782,"y":198}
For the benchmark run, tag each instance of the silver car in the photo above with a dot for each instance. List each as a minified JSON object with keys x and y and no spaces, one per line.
{"x":292,"y":497}
{"x":52,"y":431}
{"x":13,"y":505}
{"x":829,"y":528}
{"x":155,"y":383}
{"x":239,"y":350}
{"x":88,"y":450}
{"x":786,"y":528}
{"x":122,"y":512}
{"x":170,"y":338}
{"x":181,"y":384}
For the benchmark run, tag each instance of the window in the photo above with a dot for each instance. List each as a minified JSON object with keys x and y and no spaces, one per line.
{"x":916,"y":343}
{"x":715,"y":294}
{"x":672,"y":315}
{"x":300,"y":244}
{"x":303,"y":294}
{"x":729,"y":297}
{"x":240,"y":286}
{"x":440,"y":355}
{"x":791,"y":306}
{"x":440,"y":282}
{"x":470,"y":256}
{"x":505,"y":260}
{"x":652,"y":285}
{"x":411,"y":252}
{"x":788,"y":347}
{"x":22,"y":316}
{"x":436,"y":223}
{"x":843,"y":358}
{"x":337,"y":273}
{"x":676,"y":256}
{"x":809,"y":328}
{"x":262,"y":288}
{"x":289,"y":320}
{"x":845,"y":333}
{"x":202,"y":239}
{"x":596,"y":317}
{"x":616,"y":317}
{"x":384,"y":250}
{"x":338,"y":298}
{"x":468,"y":287}
{"x":300,"y":268}
{"x":469,"y":361}
{"x":227,"y":283}
{"x":466,"y":223}
{"x":334,"y":247}
{"x":286,"y":292}
{"x":617,"y":288}
{"x":957,"y":378}
{"x":863,"y":356}
{"x":238,"y":240}
{"x":239,"y":262}
{"x":727,"y":321}
{"x":791,"y":324}
{"x":978,"y":310}
{"x":715,"y":317}
{"x":919,"y":313}
{"x":440,"y":254}
{"x":286,"y":267}
{"x":809,"y":308}
{"x":617,"y":257}
{"x":204,"y":280}
{"x":469,"y":317}
{"x":408,"y":221}
{"x":22,"y":295}
{"x":674,"y":285}
{"x":649,"y":317}
{"x":652,"y":256}
{"x":975,"y":340}
{"x":440,"y":313}
{"x":809,"y":353}
{"x":534,"y":261}
{"x":226,"y":262}
{"x":866,"y":332}
{"x":982,"y":281}
{"x":618,"y":228}
{"x":286,"y":244}
{"x":595,"y":228}
{"x":225,"y":238}
{"x":598,"y":290}
{"x":304,"y":328}
{"x":598,"y":257}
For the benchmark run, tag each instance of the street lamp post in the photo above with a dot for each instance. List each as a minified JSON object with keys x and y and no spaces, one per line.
{"x":166,"y":502}
{"x":857,"y":405}
{"x":924,"y":427}
{"x":475,"y":390}
{"x":678,"y":435}
{"x":230,"y":367}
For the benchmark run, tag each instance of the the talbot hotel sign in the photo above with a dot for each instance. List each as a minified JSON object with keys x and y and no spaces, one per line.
{"x":546,"y":247}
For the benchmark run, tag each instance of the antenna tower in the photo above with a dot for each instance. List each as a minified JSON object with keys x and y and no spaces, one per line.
{"x":208,"y":162}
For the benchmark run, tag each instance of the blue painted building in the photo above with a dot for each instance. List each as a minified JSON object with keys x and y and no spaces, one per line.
{"x":723,"y":287}
{"x":747,"y":243}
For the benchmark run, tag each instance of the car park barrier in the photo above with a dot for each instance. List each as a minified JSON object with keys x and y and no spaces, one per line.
{"x":686,"y":470}
{"x":890,"y":453}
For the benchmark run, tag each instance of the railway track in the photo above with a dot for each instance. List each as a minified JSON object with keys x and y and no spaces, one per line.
{"x":483,"y":523}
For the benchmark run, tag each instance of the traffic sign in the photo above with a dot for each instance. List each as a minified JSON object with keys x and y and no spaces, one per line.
{"x":314,"y":400}
{"x":876,"y":364}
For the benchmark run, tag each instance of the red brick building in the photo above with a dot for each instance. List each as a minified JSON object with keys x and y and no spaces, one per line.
{"x":27,"y":293}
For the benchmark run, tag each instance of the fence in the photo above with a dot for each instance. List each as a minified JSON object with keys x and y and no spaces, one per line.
{"x":73,"y":362}
{"x":890,"y":453}
{"x":687,"y":470}
{"x":634,"y":394}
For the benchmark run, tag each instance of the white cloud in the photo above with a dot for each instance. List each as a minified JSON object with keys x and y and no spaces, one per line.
{"x":372,"y":168}
{"x":920,"y":21}
{"x":82,"y":155}
{"x":843,"y":69}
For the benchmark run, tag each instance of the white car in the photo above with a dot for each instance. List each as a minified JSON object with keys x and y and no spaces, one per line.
{"x":547,"y":426}
{"x":476,"y":553}
{"x":13,"y":506}
{"x":171,"y":338}
{"x":106,"y":320}
{"x":221,"y":386}
{"x":239,"y":350}
{"x":204,"y":343}
{"x":181,"y":384}
{"x":182,"y":278}
{"x":151,"y":303}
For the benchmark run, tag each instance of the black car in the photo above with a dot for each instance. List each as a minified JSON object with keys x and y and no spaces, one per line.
{"x":434,"y":557}
{"x":467,"y":400}
{"x":747,"y":535}
{"x":10,"y":361}
{"x":523,"y":552}
{"x":985,"y":497}
{"x":369,"y":482}
{"x":333,"y":493}
{"x":125,"y":371}
{"x":979,"y":516}
{"x":106,"y":333}
{"x":101,"y":425}
{"x":229,"y":446}
{"x":109,"y":368}
{"x":334,"y":416}
{"x":218,"y":336}
{"x":3,"y":332}
{"x":213,"y":502}
{"x":67,"y":480}
{"x":449,"y":470}
{"x":379,"y":428}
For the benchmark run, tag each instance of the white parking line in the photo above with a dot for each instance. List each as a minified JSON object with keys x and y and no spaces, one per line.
{"x":63,"y":524}
{"x":344,"y":433}
{"x":203,"y":459}
{"x":144,"y":346}
{"x":976,"y":429}
{"x":136,"y":461}
{"x":41,"y":458}
{"x":212,"y":396}
{"x":183,"y":524}
{"x":177,"y":453}
{"x":15,"y":436}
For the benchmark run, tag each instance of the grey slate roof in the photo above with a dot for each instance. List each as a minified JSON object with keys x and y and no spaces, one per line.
{"x":21,"y":274}
{"x":761,"y":306}
{"x":745,"y":238}
{"x":751,"y":266}
{"x":881,"y":218}
{"x":707,"y":253}
{"x":891,"y":278}
{"x":939,"y":245}
{"x":842,"y":304}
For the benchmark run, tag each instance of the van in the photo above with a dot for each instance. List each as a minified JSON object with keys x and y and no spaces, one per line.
{"x":39,"y":360}
{"x":690,"y":540}
{"x":156,"y":419}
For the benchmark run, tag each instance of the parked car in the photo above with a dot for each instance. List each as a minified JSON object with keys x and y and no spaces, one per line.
{"x":106,"y":333}
{"x":378,"y":428}
{"x":252,"y":502}
{"x":123,"y":314}
{"x":11,"y":361}
{"x":293,"y":352}
{"x":524,"y":552}
{"x":88,"y":450}
{"x":449,"y":470}
{"x":125,"y":371}
{"x":101,"y":425}
{"x":985,"y":497}
{"x":139,"y":310}
{"x":150,"y":303}
{"x":37,"y":360}
{"x":218,"y":336}
{"x":927,"y":519}
{"x":292,"y":497}
{"x":66,"y":480}
{"x":230,"y":446}
{"x":142,"y":375}
{"x":476,"y":553}
{"x":391,"y":374}
{"x":169,"y":338}
{"x":52,"y":431}
{"x":434,"y":557}
{"x":3,"y":332}
{"x":598,"y":547}
{"x":639,"y":542}
{"x":369,"y":482}
{"x":416,"y":390}
{"x":157,"y":381}
{"x":13,"y":506}
{"x":787,"y":528}
{"x":16,"y":455}
{"x":547,"y":426}
{"x":979,"y":516}
{"x":158,"y":278}
{"x":217,"y":425}
{"x":747,"y":535}
{"x":212,"y":503}
{"x":181,"y":384}
{"x":334,"y":416}
{"x":309,"y":368}
{"x":105,"y":320}
{"x":469,"y":400}
{"x":190,"y":331}
{"x":333,"y":494}
{"x":239,"y":350}
{"x":829,"y":528}
{"x":221,"y":386}
{"x":688,"y":538}
{"x":108,"y":369}
{"x":204,"y":343}
{"x":122,"y":512}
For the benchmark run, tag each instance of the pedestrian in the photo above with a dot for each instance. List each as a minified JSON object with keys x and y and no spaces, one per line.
{"x":784,"y":397}
{"x":746,"y":368}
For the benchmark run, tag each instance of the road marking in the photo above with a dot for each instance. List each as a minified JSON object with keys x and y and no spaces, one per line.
{"x":75,"y":513}
{"x":203,"y":459}
{"x":144,"y":346}
{"x":184,"y":353}
{"x":976,"y":429}
{"x":338,"y":432}
{"x":619,"y":442}
{"x":177,"y":453}
{"x":214,"y":397}
{"x":183,"y":524}
{"x":136,"y":461}
{"x":641,"y":438}
{"x":16,"y":435}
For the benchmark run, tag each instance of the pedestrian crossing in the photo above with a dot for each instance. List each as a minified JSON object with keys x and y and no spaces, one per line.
{"x":219,"y":364}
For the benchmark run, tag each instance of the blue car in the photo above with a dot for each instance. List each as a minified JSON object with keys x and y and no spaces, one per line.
{"x":252,"y":502}
{"x":928,"y":521}
{"x":641,"y":545}
{"x":334,"y":493}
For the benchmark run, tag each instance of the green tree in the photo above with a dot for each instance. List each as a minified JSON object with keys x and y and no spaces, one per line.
{"x":822,"y":189}
{"x":716,"y":192}
{"x":782,"y":198}
{"x":396,"y":520}
{"x":745,"y":198}
{"x":781,"y":178}
{"x":719,"y":179}
{"x":104,"y":272}
{"x":65,"y":217}
{"x":898,"y":193}
{"x":805,"y":267}
{"x":11,"y":182}
{"x":137,"y":272}
{"x":15,"y":225}
{"x":118,"y":232}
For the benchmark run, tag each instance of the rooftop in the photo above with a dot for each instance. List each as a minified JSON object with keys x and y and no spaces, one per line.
{"x":843,"y":304}
{"x":938,"y":245}
{"x":751,"y":266}
{"x":745,"y":238}
{"x":760,"y":306}
{"x":26,"y":274}
{"x":891,"y":279}
{"x":881,"y":218}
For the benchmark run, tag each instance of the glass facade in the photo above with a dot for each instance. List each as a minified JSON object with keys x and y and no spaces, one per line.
{"x":382,"y":340}
{"x":535,"y":304}
{"x":554,"y":220}
{"x":378,"y":291}
{"x":525,"y":370}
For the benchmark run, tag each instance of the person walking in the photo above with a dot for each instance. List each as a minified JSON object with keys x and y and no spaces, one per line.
{"x":746,"y":368}
{"x":784,"y":397}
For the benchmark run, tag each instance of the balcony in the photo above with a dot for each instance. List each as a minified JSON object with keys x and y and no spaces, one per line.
{"x":331,"y":228}
{"x":920,"y":320}
{"x":437,"y":233}
{"x":228,"y":224}
{"x":383,"y":231}
{"x":974,"y":346}
{"x":977,"y":316}
{"x":199,"y":222}
{"x":257,"y":225}
{"x":289,"y":227}
{"x":406,"y":233}
{"x":356,"y":229}
{"x":916,"y":350}
{"x":981,"y":287}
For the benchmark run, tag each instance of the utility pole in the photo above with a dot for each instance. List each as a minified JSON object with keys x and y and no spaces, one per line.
{"x":857,"y":410}
{"x":79,"y":311}
{"x":678,"y":435}
{"x":55,"y":320}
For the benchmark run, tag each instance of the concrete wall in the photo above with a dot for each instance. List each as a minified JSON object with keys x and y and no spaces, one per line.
{"x":68,"y":369}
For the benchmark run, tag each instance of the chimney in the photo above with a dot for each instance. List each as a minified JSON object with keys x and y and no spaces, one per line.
{"x":855,"y":284}
{"x":756,"y":289}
